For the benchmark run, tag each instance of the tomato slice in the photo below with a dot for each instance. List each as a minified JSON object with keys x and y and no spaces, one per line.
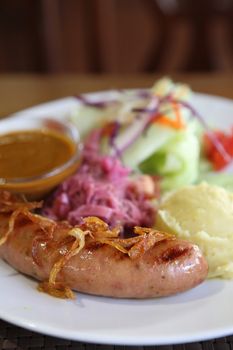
{"x":212,"y":153}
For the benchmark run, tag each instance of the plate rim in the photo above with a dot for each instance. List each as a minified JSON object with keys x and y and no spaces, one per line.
{"x":73,"y":99}
{"x":52,"y":331}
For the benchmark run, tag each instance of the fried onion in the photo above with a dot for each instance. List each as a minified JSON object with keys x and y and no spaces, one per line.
{"x":91,"y":230}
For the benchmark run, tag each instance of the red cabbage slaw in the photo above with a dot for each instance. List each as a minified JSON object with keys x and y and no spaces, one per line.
{"x":101,"y":187}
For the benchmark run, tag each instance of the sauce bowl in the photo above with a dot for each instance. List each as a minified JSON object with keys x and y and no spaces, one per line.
{"x":36,"y":184}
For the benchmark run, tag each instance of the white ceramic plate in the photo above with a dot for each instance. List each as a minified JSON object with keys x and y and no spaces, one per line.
{"x":202,"y":313}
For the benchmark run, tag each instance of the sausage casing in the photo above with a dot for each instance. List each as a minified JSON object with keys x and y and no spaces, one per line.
{"x":168,"y":267}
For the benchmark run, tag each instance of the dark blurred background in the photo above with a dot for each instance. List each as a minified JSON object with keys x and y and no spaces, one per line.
{"x":116,"y":36}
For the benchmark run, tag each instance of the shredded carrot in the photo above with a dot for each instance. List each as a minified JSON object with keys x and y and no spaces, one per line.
{"x":178,"y":114}
{"x":176,"y":123}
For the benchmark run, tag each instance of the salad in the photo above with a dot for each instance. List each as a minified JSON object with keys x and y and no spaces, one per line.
{"x":158,"y":132}
{"x":137,"y":146}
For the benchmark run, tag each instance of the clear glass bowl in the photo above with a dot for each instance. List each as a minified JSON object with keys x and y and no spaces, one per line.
{"x":36,"y":187}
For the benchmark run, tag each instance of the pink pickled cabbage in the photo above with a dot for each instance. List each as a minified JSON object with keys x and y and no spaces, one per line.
{"x":101,"y":187}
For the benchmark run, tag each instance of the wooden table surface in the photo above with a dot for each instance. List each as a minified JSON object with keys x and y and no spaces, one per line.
{"x":22,"y":91}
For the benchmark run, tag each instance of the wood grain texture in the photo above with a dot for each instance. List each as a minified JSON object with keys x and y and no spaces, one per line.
{"x":115,"y":36}
{"x":22,"y":91}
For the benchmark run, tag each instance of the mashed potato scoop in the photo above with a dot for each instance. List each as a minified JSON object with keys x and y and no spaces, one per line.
{"x":202,"y":214}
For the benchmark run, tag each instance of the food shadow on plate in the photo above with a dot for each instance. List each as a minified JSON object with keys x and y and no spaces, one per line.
{"x":6,"y":270}
{"x":203,"y":291}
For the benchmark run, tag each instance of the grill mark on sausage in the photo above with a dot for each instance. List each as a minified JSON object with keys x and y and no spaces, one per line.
{"x":93,"y":246}
{"x":95,"y":273}
{"x":173,"y":253}
{"x":21,"y":221}
{"x":118,"y":256}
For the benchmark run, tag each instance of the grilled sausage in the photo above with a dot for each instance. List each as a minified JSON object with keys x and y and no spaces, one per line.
{"x":168,"y":267}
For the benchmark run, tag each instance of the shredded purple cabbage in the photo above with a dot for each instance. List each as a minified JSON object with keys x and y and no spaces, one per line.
{"x":112,"y":138}
{"x":101,"y":104}
{"x":101,"y":187}
{"x":96,"y":104}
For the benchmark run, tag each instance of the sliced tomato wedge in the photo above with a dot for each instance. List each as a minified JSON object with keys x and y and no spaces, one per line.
{"x":212,"y":153}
